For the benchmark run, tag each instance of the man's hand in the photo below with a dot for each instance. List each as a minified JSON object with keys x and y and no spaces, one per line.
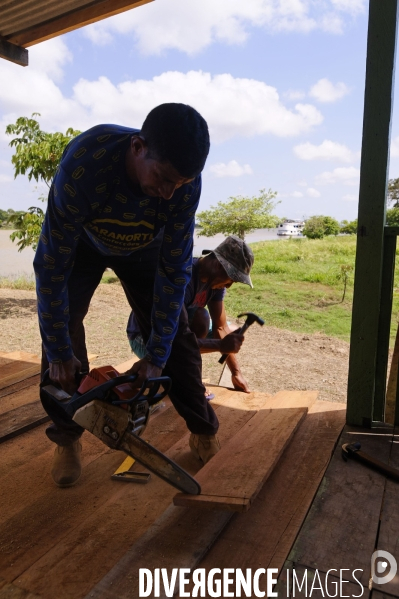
{"x":239,"y":382}
{"x":231,"y":344}
{"x":64,"y":373}
{"x":145,"y":370}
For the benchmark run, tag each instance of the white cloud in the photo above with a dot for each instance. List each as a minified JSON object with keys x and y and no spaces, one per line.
{"x":302,"y":183}
{"x":395,"y":147}
{"x":231,"y":169}
{"x":5,"y":178}
{"x":297,"y":194}
{"x":294,"y":94}
{"x":232,"y":106}
{"x":326,"y":91}
{"x":192,"y":26}
{"x":328,"y":150}
{"x":350,"y":197}
{"x":50,"y":57}
{"x":353,"y":7}
{"x":311,"y":192}
{"x":347,"y":175}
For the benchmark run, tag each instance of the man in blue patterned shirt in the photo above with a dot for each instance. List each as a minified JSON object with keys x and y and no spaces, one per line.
{"x":125,"y":199}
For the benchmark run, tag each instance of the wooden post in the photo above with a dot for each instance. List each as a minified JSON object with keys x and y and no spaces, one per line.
{"x":384,"y":327}
{"x":381,"y":45}
{"x":13,"y":53}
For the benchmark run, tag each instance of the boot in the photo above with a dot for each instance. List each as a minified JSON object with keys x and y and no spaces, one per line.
{"x":66,"y":465}
{"x":204,"y":447}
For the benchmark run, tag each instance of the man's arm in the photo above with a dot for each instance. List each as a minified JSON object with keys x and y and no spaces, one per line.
{"x":220,"y":329}
{"x":174,"y":271}
{"x":230,"y":344}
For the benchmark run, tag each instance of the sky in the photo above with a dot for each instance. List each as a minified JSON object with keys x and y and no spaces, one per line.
{"x":280,"y":83}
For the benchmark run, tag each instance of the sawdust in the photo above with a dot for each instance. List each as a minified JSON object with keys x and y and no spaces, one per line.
{"x":271,"y":359}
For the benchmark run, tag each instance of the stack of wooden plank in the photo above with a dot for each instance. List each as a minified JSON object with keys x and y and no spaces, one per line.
{"x":20,"y":408}
{"x":91,"y":539}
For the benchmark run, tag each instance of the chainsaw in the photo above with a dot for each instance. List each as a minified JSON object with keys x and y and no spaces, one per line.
{"x":109,"y":406}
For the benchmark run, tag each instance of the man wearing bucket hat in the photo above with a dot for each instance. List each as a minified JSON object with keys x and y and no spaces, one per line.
{"x":230,"y":262}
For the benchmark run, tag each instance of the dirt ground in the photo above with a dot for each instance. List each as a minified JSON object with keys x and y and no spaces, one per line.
{"x":271,"y":359}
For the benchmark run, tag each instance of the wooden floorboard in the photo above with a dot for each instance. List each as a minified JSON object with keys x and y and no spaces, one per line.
{"x":21,"y":420}
{"x":20,"y":396}
{"x":103,"y":534}
{"x":263,"y":537}
{"x":181,"y":535}
{"x":341,"y":528}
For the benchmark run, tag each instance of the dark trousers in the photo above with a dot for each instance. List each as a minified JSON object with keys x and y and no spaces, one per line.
{"x":136,"y":273}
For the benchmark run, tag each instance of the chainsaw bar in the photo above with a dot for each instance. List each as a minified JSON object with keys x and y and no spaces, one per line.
{"x":159,"y":464}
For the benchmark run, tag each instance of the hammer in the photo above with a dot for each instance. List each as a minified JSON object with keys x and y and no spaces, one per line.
{"x":251,"y":318}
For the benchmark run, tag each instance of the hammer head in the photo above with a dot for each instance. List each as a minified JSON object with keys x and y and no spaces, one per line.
{"x":251,"y":318}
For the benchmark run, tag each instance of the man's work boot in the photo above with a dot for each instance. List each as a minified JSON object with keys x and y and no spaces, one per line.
{"x":204,"y":447}
{"x":66,"y":465}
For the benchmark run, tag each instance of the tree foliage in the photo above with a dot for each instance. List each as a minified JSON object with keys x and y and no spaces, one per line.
{"x":317,"y":227}
{"x":393,"y":192}
{"x":349,"y":227}
{"x":36,"y":155}
{"x":239,"y":215}
{"x":392,"y":217}
{"x":5,"y":216}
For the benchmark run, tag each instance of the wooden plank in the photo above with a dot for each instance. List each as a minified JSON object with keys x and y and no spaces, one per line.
{"x":21,"y":419}
{"x":384,"y":327}
{"x":341,"y":528}
{"x":21,"y":397}
{"x":264,"y":537}
{"x":32,"y":381}
{"x":392,"y":385}
{"x":96,"y":11}
{"x":179,"y":538}
{"x":11,"y":591}
{"x":21,"y":355}
{"x":242,"y":466}
{"x":20,"y":372}
{"x":102,"y":522}
{"x":381,"y":45}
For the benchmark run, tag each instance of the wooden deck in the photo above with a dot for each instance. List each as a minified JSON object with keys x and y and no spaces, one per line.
{"x":90,"y":540}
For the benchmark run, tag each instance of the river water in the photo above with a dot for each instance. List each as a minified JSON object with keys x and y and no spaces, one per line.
{"x":14,"y":263}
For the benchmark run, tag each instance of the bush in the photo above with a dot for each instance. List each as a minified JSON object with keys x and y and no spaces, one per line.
{"x":349,"y":227}
{"x":317,"y":227}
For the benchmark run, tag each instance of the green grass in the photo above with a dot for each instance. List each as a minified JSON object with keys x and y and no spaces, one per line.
{"x":297,"y":286}
{"x":27,"y":283}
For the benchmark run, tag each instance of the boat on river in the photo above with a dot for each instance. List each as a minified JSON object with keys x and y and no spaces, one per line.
{"x":291,"y":228}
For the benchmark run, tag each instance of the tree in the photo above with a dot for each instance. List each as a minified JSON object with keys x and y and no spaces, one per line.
{"x":349,"y":227}
{"x":239,"y":215}
{"x":37,"y":154}
{"x":317,"y":227}
{"x":393,"y":192}
{"x":392,"y":217}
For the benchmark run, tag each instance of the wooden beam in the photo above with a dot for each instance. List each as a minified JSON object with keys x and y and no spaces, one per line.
{"x":14,"y":53}
{"x":384,"y":327}
{"x":72,"y":20}
{"x":371,"y":217}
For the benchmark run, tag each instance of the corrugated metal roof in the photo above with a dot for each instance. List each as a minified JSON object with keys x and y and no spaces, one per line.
{"x":27,"y":22}
{"x":18,"y":15}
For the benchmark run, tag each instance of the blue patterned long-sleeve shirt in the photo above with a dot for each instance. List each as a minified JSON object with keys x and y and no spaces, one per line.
{"x":91,"y":197}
